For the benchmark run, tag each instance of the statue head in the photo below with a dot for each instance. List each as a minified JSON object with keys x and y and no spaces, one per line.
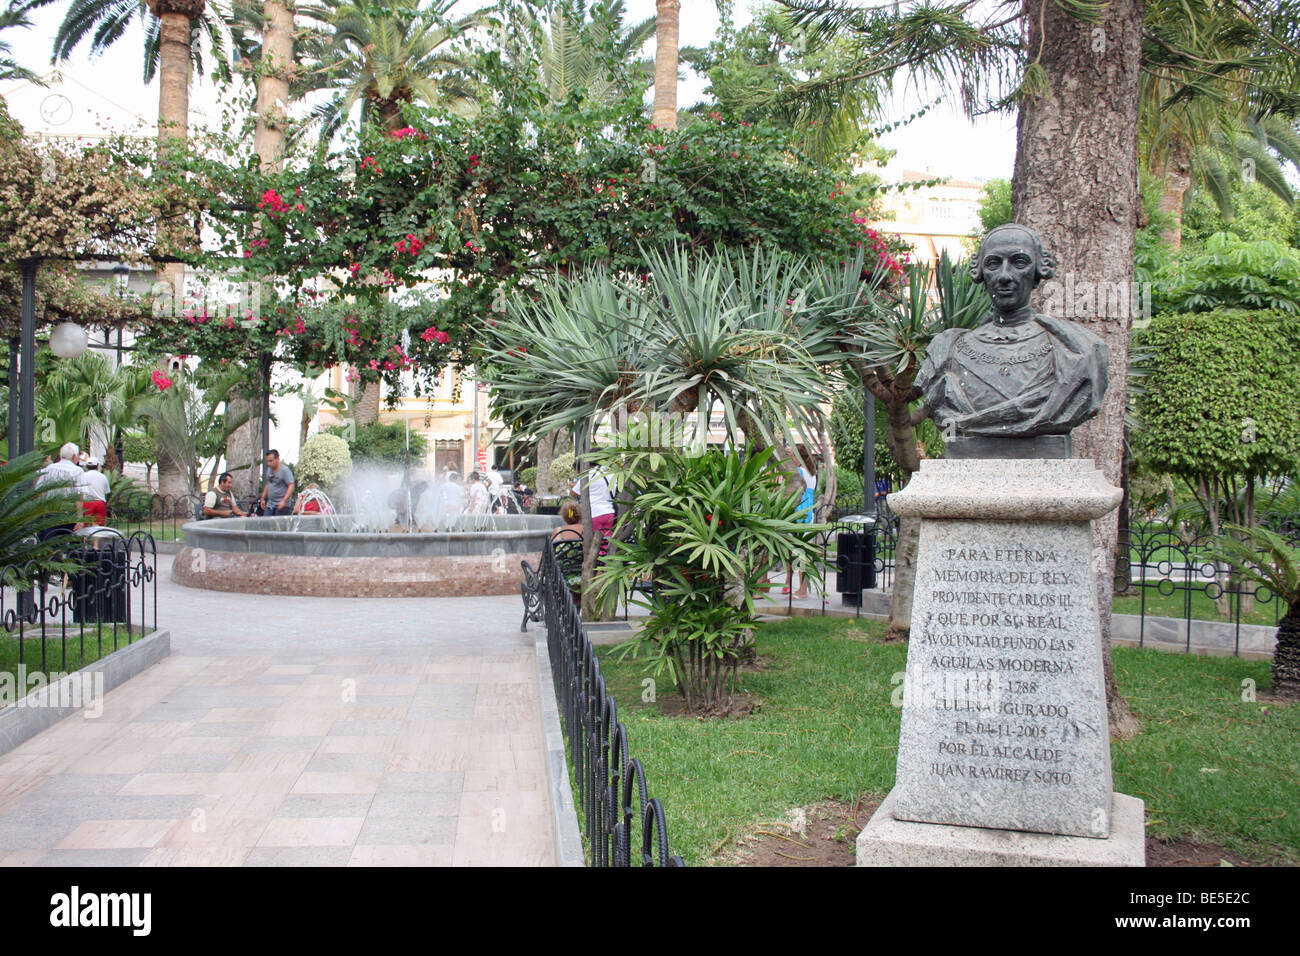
{"x":1011,"y":261}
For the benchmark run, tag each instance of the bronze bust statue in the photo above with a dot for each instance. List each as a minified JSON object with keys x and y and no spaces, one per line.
{"x":1019,"y":374}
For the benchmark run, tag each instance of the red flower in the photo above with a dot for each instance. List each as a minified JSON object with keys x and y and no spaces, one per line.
{"x":161,"y":380}
{"x":272,"y":203}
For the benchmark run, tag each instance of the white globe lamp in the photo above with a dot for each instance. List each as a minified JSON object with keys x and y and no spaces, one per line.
{"x":68,"y":340}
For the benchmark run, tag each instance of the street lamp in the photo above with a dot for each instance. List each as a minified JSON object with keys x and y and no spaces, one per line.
{"x":68,"y":340}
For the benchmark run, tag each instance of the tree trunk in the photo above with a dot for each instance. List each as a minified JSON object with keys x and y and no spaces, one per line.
{"x":173,"y":125}
{"x":901,"y":438}
{"x":173,"y":482}
{"x":1286,"y":657}
{"x":547,"y":448}
{"x":244,"y":449}
{"x":1076,"y":183}
{"x":273,"y":82}
{"x":245,"y":444}
{"x":666,"y":39}
{"x":1177,"y":177}
{"x":366,"y":409}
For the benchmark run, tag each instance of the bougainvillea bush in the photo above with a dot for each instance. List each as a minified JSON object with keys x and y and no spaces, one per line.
{"x":476,"y":208}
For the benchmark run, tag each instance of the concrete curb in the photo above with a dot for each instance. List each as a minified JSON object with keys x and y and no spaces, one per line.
{"x":40,"y":709}
{"x":568,"y":836}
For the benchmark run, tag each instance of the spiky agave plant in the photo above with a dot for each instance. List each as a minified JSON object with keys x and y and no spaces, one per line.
{"x":1265,"y":558}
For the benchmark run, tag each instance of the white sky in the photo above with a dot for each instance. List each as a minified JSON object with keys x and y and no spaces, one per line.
{"x":943,"y":142}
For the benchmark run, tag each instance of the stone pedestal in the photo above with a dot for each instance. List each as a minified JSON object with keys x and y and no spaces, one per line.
{"x":1004,"y":724}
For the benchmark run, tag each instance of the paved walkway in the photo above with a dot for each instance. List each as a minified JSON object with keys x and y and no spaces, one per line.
{"x":299,"y":731}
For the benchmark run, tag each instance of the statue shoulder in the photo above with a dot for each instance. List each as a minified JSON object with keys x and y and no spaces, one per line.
{"x":943,"y":343}
{"x":1078,"y":337}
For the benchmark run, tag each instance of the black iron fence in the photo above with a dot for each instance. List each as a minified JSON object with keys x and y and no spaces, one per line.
{"x":159,"y":516}
{"x":1168,"y":574}
{"x":1169,"y":571}
{"x":609,"y":778}
{"x":102,"y":595}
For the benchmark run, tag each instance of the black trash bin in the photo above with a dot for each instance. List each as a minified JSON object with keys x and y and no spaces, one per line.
{"x":99,"y":589}
{"x":855,"y":561}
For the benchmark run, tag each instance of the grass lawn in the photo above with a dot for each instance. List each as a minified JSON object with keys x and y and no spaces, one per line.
{"x":1208,"y":765}
{"x":1203,"y":608}
{"x":168,"y":530}
{"x":80,"y":648}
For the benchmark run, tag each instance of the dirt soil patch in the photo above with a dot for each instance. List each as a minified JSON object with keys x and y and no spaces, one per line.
{"x":825,"y":835}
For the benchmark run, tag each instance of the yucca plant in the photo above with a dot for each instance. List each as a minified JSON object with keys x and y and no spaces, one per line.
{"x":1265,"y":558}
{"x":737,"y":331}
{"x":705,"y":530}
{"x":26,"y":513}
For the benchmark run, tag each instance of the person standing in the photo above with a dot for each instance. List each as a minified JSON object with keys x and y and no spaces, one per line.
{"x":602,"y":503}
{"x":93,"y":488}
{"x":277,"y":490}
{"x":807,"y":504}
{"x":63,"y":472}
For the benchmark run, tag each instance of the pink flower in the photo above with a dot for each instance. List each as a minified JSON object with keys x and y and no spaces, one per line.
{"x":272,"y":202}
{"x":161,"y":380}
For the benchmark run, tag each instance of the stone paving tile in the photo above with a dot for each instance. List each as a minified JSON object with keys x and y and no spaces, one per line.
{"x":326,"y":805}
{"x":281,"y":744}
{"x":427,"y":855}
{"x":23,"y":836}
{"x":422,"y":782}
{"x":115,"y":834}
{"x":357,"y":745}
{"x":414,"y":803}
{"x":312,"y":831}
{"x":407,"y":831}
{"x":120,"y":856}
{"x":364,"y":728}
{"x":76,"y":783}
{"x":227,"y":729}
{"x":347,"y":762}
{"x":356,"y":782}
{"x":187,"y":763}
{"x":299,"y":856}
{"x":196,"y":856}
{"x":291,"y":762}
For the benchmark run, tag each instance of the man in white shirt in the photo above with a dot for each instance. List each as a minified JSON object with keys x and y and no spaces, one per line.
{"x":63,"y":471}
{"x":93,"y":488}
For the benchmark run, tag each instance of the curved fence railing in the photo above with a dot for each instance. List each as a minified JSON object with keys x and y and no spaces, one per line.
{"x":1169,"y":573}
{"x":618,"y":811}
{"x":1169,"y":561}
{"x":101,"y":595}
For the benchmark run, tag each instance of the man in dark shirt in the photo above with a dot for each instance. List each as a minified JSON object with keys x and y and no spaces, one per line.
{"x":277,"y":490}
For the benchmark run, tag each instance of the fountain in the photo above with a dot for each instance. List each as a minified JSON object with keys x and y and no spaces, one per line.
{"x":415,"y":540}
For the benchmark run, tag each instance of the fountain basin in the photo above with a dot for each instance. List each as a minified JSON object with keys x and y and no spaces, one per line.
{"x":309,"y":555}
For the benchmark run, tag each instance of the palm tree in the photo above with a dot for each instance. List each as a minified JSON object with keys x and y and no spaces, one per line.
{"x":385,"y":56}
{"x":1202,"y":128}
{"x":1270,"y":561}
{"x":667,"y":13}
{"x":14,"y":15}
{"x":576,"y":48}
